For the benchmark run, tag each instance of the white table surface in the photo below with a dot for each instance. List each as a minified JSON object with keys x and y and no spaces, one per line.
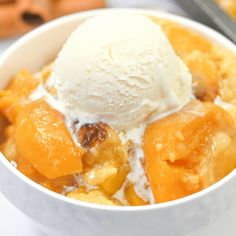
{"x":14,"y":223}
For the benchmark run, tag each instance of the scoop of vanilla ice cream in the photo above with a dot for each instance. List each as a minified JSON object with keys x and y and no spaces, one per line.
{"x":120,"y":69}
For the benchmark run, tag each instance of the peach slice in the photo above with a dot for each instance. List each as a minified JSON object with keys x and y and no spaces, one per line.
{"x":43,"y":140}
{"x":18,"y":90}
{"x":7,"y":146}
{"x":23,"y":84}
{"x":180,"y":158}
{"x":205,"y":76}
{"x":183,"y":40}
{"x":106,"y":161}
{"x":56,"y":185}
{"x":93,"y":196}
{"x":133,"y":198}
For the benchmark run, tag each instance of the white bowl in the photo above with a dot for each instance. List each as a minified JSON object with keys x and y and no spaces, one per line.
{"x":58,"y":215}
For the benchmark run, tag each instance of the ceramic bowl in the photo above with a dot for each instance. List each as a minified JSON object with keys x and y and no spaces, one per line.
{"x":58,"y":215}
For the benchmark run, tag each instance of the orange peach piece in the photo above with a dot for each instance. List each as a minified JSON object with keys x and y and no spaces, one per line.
{"x":94,"y":196}
{"x":56,"y":185}
{"x":205,"y":75}
{"x":27,"y":169}
{"x":23,"y":84}
{"x":9,"y":105}
{"x":7,"y":146}
{"x":43,"y":140}
{"x":196,"y":52}
{"x":177,"y":148}
{"x":133,"y":198}
{"x":113,"y":182}
{"x":223,"y":150}
{"x":184,"y":41}
{"x":106,"y":161}
{"x":18,"y":90}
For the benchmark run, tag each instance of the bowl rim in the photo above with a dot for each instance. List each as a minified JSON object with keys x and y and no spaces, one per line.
{"x":195,"y":26}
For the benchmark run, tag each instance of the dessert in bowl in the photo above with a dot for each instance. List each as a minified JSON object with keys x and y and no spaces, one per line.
{"x":121,"y":119}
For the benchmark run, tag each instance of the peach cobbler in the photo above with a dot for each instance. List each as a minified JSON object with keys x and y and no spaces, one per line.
{"x":133,"y":111}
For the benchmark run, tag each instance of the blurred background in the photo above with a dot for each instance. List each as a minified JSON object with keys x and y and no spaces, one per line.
{"x":20,"y":16}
